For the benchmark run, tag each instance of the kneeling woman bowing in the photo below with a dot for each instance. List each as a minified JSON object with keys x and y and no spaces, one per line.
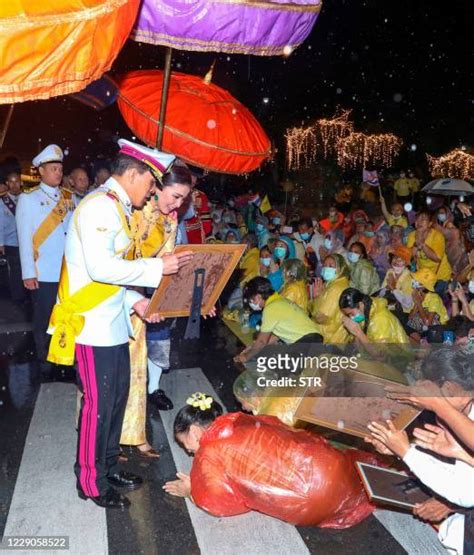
{"x":244,"y":463}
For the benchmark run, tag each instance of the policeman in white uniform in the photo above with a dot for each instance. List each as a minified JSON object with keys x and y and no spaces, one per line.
{"x":42,"y":218}
{"x":9,"y":237}
{"x":98,"y":240}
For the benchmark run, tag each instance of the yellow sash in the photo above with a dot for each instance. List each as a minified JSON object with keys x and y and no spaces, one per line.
{"x":51,"y":222}
{"x":66,"y":317}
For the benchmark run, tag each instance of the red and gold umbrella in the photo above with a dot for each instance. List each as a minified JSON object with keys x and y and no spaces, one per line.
{"x":54,"y":47}
{"x":205,"y":125}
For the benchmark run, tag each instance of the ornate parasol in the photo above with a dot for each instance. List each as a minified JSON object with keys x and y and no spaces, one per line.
{"x":265,"y":28}
{"x":55,"y":47}
{"x":205,"y":125}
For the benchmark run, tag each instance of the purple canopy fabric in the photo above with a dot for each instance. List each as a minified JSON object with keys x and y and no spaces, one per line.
{"x":265,"y":28}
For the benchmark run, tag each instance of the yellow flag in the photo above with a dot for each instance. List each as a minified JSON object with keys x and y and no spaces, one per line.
{"x":265,"y":206}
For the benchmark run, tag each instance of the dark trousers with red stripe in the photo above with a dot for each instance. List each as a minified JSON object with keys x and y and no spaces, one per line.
{"x":104,"y":379}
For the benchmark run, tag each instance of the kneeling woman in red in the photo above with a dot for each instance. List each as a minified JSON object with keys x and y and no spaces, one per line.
{"x":248,"y":463}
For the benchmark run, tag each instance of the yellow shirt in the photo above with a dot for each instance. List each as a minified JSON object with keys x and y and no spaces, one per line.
{"x":286,"y":320}
{"x":402,"y":221}
{"x":433,"y":303}
{"x":384,"y":327}
{"x":402,"y":187}
{"x":436,"y":242}
{"x":414,"y":184}
{"x":297,"y":293}
{"x":333,"y":331}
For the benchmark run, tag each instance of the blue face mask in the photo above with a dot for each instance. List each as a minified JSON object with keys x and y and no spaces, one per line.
{"x":260,"y":228}
{"x":328,"y":244}
{"x":265,"y":261}
{"x":369,"y":233}
{"x":328,"y":273}
{"x":255,"y":307}
{"x":279,"y":252}
{"x":305,"y":236}
{"x":276,"y":221}
{"x":442,"y":218}
{"x":358,"y":318}
{"x":353,"y":257}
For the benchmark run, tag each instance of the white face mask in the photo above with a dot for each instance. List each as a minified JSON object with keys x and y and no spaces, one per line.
{"x":398,"y":269}
{"x":471,"y":286}
{"x":254,"y":306}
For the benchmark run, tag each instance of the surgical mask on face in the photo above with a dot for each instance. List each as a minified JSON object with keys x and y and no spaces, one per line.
{"x":265,"y":261}
{"x":369,"y":233}
{"x":328,"y":273}
{"x":353,"y":257}
{"x":398,"y":269}
{"x":416,"y":284}
{"x":260,"y":228}
{"x":442,"y":218}
{"x":227,"y":219}
{"x":358,"y":318}
{"x":276,"y":221}
{"x":305,"y":236}
{"x":471,"y":286}
{"x":328,"y":244}
{"x":279,"y":252}
{"x":231,"y":203}
{"x":255,"y":307}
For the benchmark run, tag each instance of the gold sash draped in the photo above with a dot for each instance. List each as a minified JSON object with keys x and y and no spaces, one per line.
{"x":50,"y":223}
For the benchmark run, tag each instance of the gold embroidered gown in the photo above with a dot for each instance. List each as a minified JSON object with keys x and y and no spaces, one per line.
{"x":154,"y":235}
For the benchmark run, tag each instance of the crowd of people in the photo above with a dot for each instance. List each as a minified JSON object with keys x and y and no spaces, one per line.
{"x":380,"y":266}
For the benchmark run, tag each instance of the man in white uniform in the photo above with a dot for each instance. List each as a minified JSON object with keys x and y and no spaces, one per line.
{"x":92,"y":316}
{"x":79,"y":181}
{"x":42,"y":218}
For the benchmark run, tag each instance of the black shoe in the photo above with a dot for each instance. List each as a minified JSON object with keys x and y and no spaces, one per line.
{"x":111,"y":499}
{"x":125,"y":480}
{"x":159,"y":399}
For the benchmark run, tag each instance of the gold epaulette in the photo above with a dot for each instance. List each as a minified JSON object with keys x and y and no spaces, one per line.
{"x":30,"y":190}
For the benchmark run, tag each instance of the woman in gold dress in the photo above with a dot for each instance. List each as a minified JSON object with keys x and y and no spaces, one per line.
{"x":154,"y":235}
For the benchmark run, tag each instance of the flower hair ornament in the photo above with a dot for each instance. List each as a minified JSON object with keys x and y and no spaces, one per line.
{"x":200,"y":401}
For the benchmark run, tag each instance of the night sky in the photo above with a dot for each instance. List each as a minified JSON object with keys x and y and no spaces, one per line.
{"x":403,"y":67}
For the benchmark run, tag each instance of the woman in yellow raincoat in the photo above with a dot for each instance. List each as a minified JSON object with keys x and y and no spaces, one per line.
{"x":294,"y":288}
{"x":369,"y":320}
{"x":324,"y":308}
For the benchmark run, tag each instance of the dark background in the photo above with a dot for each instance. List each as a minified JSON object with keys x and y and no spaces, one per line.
{"x":403,"y":67}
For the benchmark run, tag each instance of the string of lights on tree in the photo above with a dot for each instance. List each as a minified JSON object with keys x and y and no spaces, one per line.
{"x":304,"y":143}
{"x":456,"y":164}
{"x":361,"y":150}
{"x":337,"y":136}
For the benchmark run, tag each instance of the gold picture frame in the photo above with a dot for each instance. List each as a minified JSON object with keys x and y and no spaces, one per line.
{"x":359,"y":400}
{"x":173,"y":297}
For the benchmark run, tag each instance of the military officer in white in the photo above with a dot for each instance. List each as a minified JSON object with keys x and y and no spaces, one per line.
{"x":91,"y":319}
{"x":79,"y":181}
{"x":42,"y":218}
{"x":9,"y":236}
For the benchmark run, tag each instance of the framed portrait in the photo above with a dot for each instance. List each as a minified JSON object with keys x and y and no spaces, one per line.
{"x":350,"y":400}
{"x":173,"y":297}
{"x":390,"y":487}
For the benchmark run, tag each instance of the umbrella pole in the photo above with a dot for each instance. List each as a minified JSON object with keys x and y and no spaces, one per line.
{"x":6,"y":124}
{"x":164,"y":98}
